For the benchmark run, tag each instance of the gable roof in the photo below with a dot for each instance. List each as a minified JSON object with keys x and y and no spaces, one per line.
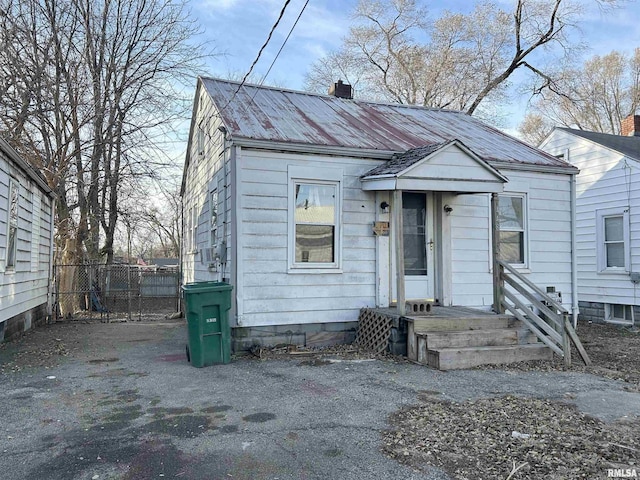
{"x":448,"y":166}
{"x":627,"y":146}
{"x":286,"y":117}
{"x":401,"y":161}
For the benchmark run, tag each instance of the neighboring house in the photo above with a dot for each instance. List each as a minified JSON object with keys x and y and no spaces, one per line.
{"x":607,"y":218}
{"x":290,"y":196}
{"x":26,"y":244}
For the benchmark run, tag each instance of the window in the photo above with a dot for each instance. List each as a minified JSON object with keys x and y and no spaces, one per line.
{"x":512,"y":223}
{"x":613,"y":240}
{"x":617,"y":313}
{"x":194,"y":230}
{"x":12,"y":234}
{"x":314,"y":213}
{"x":200,"y":139}
{"x":188,"y":230}
{"x":213,"y":210}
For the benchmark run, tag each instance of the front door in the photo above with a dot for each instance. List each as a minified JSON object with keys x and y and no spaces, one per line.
{"x":417,"y":218}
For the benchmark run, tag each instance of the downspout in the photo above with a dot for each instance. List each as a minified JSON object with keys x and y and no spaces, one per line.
{"x":574,"y":257}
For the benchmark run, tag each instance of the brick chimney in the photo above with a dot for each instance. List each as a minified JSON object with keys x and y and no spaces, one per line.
{"x":630,"y":126}
{"x":341,"y":90}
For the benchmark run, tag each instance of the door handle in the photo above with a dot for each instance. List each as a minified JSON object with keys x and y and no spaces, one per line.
{"x":430,"y":245}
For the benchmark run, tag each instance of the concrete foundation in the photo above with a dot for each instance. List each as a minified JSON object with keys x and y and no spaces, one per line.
{"x":309,"y":335}
{"x":17,"y":325}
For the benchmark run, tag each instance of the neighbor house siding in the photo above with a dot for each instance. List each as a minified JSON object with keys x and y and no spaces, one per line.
{"x":548,"y":237}
{"x":607,"y":180}
{"x":24,"y":288}
{"x":271,"y":293}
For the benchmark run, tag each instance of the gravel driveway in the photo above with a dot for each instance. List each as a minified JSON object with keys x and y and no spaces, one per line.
{"x":101,"y":401}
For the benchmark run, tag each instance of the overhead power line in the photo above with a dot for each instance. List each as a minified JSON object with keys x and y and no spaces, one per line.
{"x":285,"y":42}
{"x":275,"y":25}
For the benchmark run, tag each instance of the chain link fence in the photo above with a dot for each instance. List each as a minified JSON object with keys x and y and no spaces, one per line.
{"x":114,"y":292}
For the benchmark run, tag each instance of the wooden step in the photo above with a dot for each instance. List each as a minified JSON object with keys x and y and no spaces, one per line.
{"x":481,"y":322}
{"x":467,"y":357}
{"x":478,"y":338}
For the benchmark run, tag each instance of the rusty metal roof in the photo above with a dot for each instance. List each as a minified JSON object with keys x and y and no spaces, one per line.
{"x":286,"y":116}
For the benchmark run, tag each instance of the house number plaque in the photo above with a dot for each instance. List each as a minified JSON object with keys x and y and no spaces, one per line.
{"x":381,"y":229}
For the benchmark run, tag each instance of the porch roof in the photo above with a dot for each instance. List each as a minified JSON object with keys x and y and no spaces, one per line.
{"x":448,"y":166}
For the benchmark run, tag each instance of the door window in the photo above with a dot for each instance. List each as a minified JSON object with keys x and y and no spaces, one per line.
{"x":414,"y":209}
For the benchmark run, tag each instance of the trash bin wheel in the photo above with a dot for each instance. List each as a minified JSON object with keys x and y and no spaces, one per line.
{"x":188,"y":355}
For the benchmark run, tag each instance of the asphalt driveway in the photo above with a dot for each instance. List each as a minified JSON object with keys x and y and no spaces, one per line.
{"x":123,"y":403}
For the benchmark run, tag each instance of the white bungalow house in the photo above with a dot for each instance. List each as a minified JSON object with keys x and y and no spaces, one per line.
{"x":607,"y":218}
{"x":298,"y":200}
{"x":26,"y":244}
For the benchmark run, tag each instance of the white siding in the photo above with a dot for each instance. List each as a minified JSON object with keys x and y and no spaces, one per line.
{"x":607,"y":180}
{"x":25,"y":286}
{"x":205,"y":173}
{"x":271,"y":294}
{"x":549,"y":238}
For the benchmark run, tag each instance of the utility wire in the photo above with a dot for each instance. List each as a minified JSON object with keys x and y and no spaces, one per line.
{"x":283,"y":44}
{"x":275,"y":25}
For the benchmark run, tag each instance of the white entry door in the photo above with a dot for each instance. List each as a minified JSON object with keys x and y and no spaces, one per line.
{"x":417,"y":218}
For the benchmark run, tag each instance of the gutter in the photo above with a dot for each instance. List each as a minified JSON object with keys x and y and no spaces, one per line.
{"x":310,"y":148}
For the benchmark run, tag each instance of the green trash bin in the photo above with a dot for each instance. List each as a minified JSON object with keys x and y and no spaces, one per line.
{"x":207,"y":307}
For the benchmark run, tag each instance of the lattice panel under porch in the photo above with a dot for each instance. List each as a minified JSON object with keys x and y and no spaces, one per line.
{"x":374,"y":330}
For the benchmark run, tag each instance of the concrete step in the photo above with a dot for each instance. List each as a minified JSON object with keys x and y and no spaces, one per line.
{"x":467,"y":357}
{"x":478,"y":338}
{"x":480,"y":322}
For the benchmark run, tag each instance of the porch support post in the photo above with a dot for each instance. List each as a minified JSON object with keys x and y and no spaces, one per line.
{"x":396,"y":209}
{"x":495,"y":255}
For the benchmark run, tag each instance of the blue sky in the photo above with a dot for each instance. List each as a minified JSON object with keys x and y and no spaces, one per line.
{"x":238,"y":28}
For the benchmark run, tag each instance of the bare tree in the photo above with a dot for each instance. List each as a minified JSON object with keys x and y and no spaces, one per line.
{"x":595,"y":97}
{"x":89,"y":90}
{"x":457,"y":61}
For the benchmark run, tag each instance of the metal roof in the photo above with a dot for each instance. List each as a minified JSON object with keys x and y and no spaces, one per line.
{"x":286,"y":116}
{"x":628,"y":146}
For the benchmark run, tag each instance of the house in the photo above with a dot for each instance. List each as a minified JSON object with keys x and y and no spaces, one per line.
{"x":607,"y":218}
{"x":300,"y":200}
{"x":26,"y":244}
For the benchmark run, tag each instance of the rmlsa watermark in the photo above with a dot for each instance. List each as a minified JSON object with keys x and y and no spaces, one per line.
{"x":622,"y":473}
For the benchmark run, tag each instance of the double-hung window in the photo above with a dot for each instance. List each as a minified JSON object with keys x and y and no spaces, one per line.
{"x":314,"y":218}
{"x":12,"y":234}
{"x":213,"y":222}
{"x":512,"y":220}
{"x":613,"y":239}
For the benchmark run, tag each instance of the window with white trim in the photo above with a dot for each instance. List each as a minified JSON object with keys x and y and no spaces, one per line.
{"x":314,"y":218}
{"x":213,"y":222}
{"x":188,"y":231}
{"x":12,"y":231}
{"x":613,"y":239}
{"x":617,"y":313}
{"x":512,"y":220}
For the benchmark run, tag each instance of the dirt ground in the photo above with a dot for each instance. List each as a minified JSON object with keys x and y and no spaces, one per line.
{"x":497,"y":436}
{"x":614,"y":352}
{"x":521,"y":438}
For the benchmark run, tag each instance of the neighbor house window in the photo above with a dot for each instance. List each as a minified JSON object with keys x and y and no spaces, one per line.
{"x":315,"y":218}
{"x":12,"y":234}
{"x":613,"y":240}
{"x":513,"y":232}
{"x":213,"y":210}
{"x":617,"y":313}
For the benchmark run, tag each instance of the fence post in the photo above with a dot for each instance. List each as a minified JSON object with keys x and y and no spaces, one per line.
{"x":129,"y":291}
{"x":566,"y":341}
